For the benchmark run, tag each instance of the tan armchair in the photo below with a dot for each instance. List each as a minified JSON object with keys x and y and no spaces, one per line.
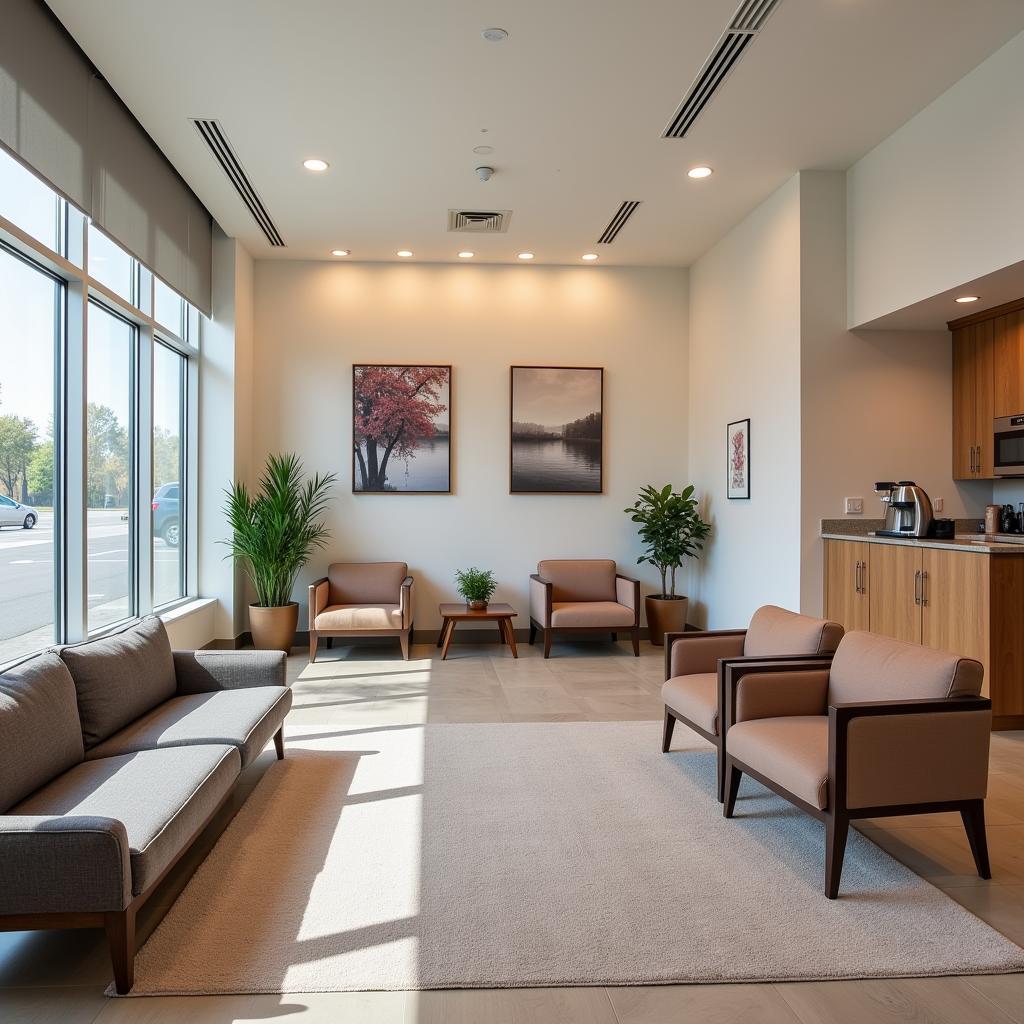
{"x":583,"y":596}
{"x":696,"y":665}
{"x":362,"y":599}
{"x":889,"y":728}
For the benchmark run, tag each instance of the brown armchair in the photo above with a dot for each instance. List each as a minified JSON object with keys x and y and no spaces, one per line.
{"x":362,"y":599}
{"x":889,"y":728}
{"x":696,"y":662}
{"x":583,"y":596}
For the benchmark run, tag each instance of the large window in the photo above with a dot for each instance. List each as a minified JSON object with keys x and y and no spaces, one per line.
{"x":112,"y":266}
{"x":168,"y":473}
{"x":28,"y":203}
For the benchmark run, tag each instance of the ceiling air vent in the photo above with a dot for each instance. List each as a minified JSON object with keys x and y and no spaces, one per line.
{"x":479,"y":221}
{"x":748,"y":20}
{"x":213,"y":135}
{"x":615,"y":225}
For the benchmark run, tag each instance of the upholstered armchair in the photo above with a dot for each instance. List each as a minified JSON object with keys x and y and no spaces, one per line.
{"x":889,"y":728}
{"x":583,"y":596}
{"x":696,"y":663}
{"x":362,"y":599}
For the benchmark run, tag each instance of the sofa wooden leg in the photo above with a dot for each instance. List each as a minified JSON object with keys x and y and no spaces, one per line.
{"x":279,"y":743}
{"x":403,"y":639}
{"x":666,"y":735}
{"x":636,"y":642}
{"x":120,"y":927}
{"x":837,"y":827}
{"x":973,"y":814}
{"x":312,"y":646}
{"x":547,"y":643}
{"x":533,"y":632}
{"x":732,"y":787}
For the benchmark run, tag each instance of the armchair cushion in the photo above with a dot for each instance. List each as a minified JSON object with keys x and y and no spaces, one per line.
{"x":579,"y":579}
{"x":356,"y":617}
{"x":353,"y":583}
{"x":695,"y":697}
{"x":775,"y":631}
{"x":781,"y":694}
{"x":792,"y":752}
{"x":591,"y":613}
{"x":698,"y":653}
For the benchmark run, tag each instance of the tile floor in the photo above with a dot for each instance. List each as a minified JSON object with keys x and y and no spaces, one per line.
{"x":60,"y":976}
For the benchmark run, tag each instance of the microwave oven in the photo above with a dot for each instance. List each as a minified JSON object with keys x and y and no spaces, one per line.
{"x":1008,"y":446}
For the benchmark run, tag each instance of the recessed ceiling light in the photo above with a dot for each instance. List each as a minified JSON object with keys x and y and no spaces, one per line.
{"x":526,"y":255}
{"x":483,"y":150}
{"x":589,"y":256}
{"x":315,"y":164}
{"x":466,"y":255}
{"x":339,"y":252}
{"x":699,"y":172}
{"x":967,"y":298}
{"x":494,"y":35}
{"x":404,"y":253}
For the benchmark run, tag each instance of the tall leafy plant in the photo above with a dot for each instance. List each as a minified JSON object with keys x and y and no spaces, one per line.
{"x":671,"y":529}
{"x":275,"y":530}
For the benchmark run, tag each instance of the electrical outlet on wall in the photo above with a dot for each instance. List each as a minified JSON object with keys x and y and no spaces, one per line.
{"x":938,"y":504}
{"x":854,"y":506}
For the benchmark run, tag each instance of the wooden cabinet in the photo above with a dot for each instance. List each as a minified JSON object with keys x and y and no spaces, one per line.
{"x":894,"y":592}
{"x":973,"y":401}
{"x":1008,"y":356}
{"x":846,"y":583}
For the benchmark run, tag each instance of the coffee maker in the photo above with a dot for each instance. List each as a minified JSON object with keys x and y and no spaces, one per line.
{"x":908,"y":509}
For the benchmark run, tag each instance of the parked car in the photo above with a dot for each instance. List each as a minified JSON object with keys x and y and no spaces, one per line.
{"x":13,"y":513}
{"x":166,"y":517}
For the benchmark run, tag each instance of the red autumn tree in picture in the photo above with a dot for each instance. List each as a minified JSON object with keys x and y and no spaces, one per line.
{"x":395,"y":412}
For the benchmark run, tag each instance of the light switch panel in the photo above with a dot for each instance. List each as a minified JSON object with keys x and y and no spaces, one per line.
{"x":938,"y":504}
{"x":854,"y":506}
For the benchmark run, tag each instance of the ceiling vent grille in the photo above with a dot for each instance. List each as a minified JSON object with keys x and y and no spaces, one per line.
{"x":479,"y":221}
{"x":615,"y":225}
{"x":213,"y":135}
{"x":748,"y":20}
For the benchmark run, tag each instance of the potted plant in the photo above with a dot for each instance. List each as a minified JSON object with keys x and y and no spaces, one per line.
{"x":273,"y":534}
{"x":477,"y":587}
{"x":671,"y":529}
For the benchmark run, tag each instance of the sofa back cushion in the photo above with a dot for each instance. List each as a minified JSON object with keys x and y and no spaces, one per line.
{"x":872,"y":667}
{"x":40,"y":734}
{"x":366,"y":582}
{"x":119,"y":678}
{"x":775,"y":631}
{"x":579,"y":579}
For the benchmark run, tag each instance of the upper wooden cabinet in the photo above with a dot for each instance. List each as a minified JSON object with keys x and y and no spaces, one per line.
{"x":1008,"y":351}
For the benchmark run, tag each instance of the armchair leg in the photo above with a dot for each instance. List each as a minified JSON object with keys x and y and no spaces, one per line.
{"x":732,"y":787}
{"x":547,"y":642}
{"x":837,"y":827}
{"x":533,"y":632}
{"x":279,"y":743}
{"x":636,"y":641}
{"x":120,"y":928}
{"x":721,"y":771}
{"x":403,"y":638}
{"x":312,"y":646}
{"x":973,"y":814}
{"x":666,"y":736}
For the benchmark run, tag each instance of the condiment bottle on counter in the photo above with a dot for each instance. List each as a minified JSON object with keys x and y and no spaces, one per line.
{"x":992,"y":513}
{"x":1008,"y":520}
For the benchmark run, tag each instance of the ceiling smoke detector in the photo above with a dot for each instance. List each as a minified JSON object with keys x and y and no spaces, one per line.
{"x":484,"y":173}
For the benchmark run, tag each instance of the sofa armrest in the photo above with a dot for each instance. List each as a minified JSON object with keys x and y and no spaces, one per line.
{"x":627,"y":592}
{"x":540,"y":600}
{"x":207,"y":671}
{"x":893,"y":753}
{"x":405,"y":604}
{"x":319,"y":591}
{"x":687,"y":654}
{"x":63,"y":864}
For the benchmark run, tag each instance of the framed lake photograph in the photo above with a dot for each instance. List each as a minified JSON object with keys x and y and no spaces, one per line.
{"x":556,"y":435}
{"x":737,"y":457}
{"x":401,"y":429}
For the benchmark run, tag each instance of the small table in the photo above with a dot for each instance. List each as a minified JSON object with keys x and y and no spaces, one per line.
{"x":503,"y":614}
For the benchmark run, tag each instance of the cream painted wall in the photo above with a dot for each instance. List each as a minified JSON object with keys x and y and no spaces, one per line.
{"x":314,"y":320}
{"x":939,"y":202}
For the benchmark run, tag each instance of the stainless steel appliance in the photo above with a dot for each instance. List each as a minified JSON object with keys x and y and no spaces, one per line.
{"x":908,"y":509}
{"x":1008,"y":445}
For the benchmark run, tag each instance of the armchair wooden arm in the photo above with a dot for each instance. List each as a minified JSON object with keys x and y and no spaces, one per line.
{"x":540,"y":599}
{"x":405,"y":601}
{"x":317,"y":598}
{"x":627,"y":587}
{"x":717,"y":644}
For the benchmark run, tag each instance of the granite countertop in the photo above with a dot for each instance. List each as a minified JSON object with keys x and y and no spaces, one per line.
{"x":980,"y":543}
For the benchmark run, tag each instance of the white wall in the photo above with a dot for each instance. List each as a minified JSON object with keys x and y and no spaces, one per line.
{"x":939,"y":202}
{"x":314,"y":320}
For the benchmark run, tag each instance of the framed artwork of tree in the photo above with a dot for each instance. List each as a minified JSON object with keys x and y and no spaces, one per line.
{"x":401,"y":429}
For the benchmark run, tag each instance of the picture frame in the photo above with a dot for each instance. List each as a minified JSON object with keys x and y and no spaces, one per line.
{"x":737,"y":460}
{"x":556,"y":430}
{"x":391,"y":397}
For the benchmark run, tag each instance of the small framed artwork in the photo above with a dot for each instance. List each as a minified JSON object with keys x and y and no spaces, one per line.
{"x":556,"y":435}
{"x":737,"y":454}
{"x":401,"y":429}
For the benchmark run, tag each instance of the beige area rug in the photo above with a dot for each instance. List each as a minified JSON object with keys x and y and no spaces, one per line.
{"x":459,"y":856}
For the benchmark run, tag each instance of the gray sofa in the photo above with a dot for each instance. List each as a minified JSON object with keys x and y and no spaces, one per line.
{"x":114,"y":755}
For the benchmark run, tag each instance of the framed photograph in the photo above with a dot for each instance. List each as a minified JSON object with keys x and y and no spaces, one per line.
{"x":556,"y":430}
{"x":737,"y":457}
{"x":401,"y":429}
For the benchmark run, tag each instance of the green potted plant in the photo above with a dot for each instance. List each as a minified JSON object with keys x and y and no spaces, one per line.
{"x":477,"y":586}
{"x":274,"y":533}
{"x":671,"y":529}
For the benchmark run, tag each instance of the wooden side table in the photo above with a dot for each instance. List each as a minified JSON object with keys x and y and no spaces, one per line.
{"x":503,"y":614}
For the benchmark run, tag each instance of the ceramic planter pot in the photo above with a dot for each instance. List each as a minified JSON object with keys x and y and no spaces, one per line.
{"x":477,"y":606}
{"x":665,"y":615}
{"x":273,"y":629}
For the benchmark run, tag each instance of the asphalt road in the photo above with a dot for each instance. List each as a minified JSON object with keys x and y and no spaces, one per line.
{"x":27,"y":571}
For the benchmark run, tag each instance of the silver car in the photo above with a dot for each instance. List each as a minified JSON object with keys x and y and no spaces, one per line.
{"x":13,"y":513}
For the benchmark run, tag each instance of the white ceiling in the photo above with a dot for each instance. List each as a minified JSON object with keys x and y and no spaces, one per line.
{"x":396,"y":93}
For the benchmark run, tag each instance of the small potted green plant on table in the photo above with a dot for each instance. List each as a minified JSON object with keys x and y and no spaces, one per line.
{"x":477,"y":586}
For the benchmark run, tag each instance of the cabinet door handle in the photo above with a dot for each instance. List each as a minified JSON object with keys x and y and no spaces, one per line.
{"x":856,"y":578}
{"x":974,"y":461}
{"x":917,"y":587}
{"x":863,"y":577}
{"x":924,"y":589}
{"x":977,"y":470}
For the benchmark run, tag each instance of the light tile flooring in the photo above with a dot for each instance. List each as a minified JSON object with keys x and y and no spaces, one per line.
{"x":60,"y":976}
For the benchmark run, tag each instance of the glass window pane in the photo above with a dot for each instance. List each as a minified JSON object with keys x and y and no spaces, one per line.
{"x":168,"y":308}
{"x":111,"y":265}
{"x":168,"y":460}
{"x":28,"y":202}
{"x":28,"y":563}
{"x":108,"y":473}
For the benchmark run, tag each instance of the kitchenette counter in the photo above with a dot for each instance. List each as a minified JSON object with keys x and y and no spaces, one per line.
{"x":979,"y":543}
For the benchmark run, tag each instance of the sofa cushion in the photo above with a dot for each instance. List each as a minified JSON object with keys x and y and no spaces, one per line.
{"x":579,"y":579}
{"x":606,"y":614}
{"x":792,"y":752}
{"x":776,"y":631}
{"x":118,"y":678}
{"x":163,"y":798}
{"x":40,"y":734}
{"x":360,"y":616}
{"x":695,"y":697}
{"x":246,"y":719}
{"x":366,"y":582}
